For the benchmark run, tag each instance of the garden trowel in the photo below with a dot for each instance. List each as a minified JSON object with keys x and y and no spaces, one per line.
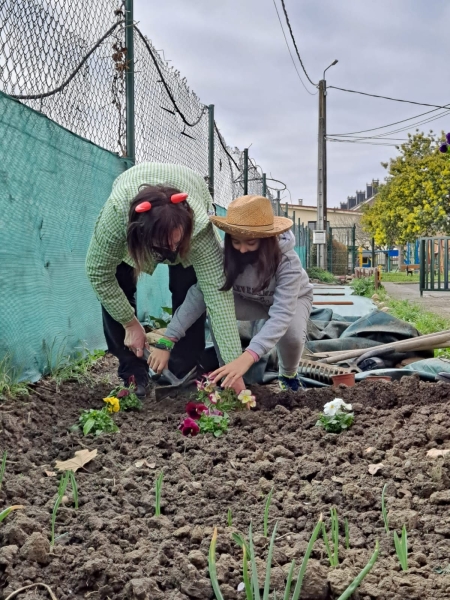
{"x":161,"y":391}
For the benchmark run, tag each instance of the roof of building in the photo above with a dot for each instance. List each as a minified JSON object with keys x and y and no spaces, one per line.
{"x":329,"y":208}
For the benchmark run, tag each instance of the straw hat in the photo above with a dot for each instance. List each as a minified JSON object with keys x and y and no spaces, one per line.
{"x":252,"y":217}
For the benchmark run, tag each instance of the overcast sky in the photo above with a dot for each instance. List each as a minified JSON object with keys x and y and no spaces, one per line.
{"x":234,"y":56}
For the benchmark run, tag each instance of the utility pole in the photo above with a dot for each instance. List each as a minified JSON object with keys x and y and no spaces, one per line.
{"x":321,"y":224}
{"x":322,"y":175}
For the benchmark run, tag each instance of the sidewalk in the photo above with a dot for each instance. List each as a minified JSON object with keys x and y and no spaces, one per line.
{"x":436,"y":302}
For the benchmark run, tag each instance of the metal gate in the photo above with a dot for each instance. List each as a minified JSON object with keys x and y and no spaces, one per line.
{"x":434,"y":264}
{"x":342,"y":250}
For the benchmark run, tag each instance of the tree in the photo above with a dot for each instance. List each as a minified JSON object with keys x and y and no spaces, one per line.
{"x":414,"y":200}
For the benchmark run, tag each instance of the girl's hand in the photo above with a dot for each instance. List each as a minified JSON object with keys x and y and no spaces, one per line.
{"x":158,"y":360}
{"x":135,"y":338}
{"x":233,"y":371}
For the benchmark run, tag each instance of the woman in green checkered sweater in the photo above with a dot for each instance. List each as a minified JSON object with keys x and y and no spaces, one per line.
{"x":147,"y":220}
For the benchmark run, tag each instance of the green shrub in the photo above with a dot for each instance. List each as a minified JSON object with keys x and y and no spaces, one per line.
{"x":365,"y":287}
{"x":321,"y":275}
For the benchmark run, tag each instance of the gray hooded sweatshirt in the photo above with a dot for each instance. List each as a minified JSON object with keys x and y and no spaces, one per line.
{"x":280,"y":298}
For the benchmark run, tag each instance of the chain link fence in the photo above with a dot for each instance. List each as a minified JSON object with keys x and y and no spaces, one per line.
{"x":67,"y":59}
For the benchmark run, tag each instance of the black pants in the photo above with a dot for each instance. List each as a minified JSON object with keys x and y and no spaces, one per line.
{"x":186,"y":353}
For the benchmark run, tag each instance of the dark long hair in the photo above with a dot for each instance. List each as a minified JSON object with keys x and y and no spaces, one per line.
{"x":153,"y":229}
{"x":266,"y":263}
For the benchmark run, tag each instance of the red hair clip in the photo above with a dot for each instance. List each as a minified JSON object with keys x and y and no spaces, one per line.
{"x":177,"y":198}
{"x":143,"y":207}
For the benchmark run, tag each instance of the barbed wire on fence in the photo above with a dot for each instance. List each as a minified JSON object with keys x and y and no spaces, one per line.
{"x":67,"y":59}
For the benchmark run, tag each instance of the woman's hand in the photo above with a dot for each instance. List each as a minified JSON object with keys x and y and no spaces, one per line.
{"x":158,"y":360}
{"x":233,"y":371}
{"x":135,"y":338}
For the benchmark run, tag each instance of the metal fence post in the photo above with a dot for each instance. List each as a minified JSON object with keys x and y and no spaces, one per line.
{"x":245,"y":171}
{"x":353,"y":248}
{"x":422,"y":260}
{"x":211,"y":149}
{"x":330,"y":251}
{"x":129,"y":43}
{"x":264,"y":185}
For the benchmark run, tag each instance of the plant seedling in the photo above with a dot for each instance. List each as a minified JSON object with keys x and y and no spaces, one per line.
{"x":97,"y":422}
{"x":61,"y":491}
{"x":251,"y":584}
{"x":356,"y":582}
{"x":401,"y":548}
{"x":158,"y":486}
{"x":266,"y":512}
{"x":6,"y":512}
{"x":229,"y":518}
{"x":333,"y":555}
{"x":3,"y":468}
{"x":73,"y":483}
{"x":67,"y":477}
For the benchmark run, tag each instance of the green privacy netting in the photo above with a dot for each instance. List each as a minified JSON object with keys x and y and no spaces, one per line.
{"x":52,"y":187}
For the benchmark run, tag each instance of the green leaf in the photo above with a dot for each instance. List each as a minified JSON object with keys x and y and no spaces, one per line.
{"x":212,"y":567}
{"x":88,"y":426}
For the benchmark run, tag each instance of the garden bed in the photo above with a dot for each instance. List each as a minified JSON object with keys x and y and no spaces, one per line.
{"x":113,"y":547}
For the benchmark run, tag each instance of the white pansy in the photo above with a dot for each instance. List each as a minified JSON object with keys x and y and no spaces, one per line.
{"x":333,"y":407}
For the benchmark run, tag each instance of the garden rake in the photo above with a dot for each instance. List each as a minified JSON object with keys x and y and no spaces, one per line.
{"x":321,"y":372}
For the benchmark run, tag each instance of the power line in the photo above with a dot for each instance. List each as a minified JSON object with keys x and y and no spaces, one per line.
{"x":384,"y":97}
{"x":295,"y":44}
{"x":391,"y":124}
{"x":369,"y":137}
{"x":287,"y":45}
{"x":360,"y":142}
{"x":408,"y":127}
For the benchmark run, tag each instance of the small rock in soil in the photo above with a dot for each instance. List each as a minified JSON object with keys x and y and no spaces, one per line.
{"x":440,"y":497}
{"x":398,"y":518}
{"x":182,"y":532}
{"x":199,"y":590}
{"x":143,"y":588}
{"x":315,"y":585}
{"x":36,"y":549}
{"x":197,"y":558}
{"x":197,"y":534}
{"x":7,"y":554}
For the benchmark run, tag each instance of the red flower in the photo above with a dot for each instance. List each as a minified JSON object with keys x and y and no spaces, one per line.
{"x":195,"y":411}
{"x":189,"y":427}
{"x":123,"y":393}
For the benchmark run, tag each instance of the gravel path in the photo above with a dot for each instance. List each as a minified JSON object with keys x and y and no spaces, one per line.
{"x":437,"y":302}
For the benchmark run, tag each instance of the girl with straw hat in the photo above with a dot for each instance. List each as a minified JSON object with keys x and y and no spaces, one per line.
{"x":268,"y":282}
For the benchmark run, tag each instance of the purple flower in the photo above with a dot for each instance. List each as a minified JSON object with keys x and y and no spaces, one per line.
{"x":195,"y":411}
{"x":213,"y":412}
{"x":189,"y":427}
{"x":444,"y":148}
{"x":123,"y":393}
{"x":448,"y":137}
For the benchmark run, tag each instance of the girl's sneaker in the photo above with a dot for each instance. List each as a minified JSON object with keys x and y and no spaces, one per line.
{"x":290,"y":383}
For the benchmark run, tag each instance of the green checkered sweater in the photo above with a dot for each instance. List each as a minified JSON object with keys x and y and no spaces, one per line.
{"x":108,"y":248}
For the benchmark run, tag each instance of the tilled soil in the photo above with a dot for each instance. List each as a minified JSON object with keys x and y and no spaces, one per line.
{"x":114,"y":548}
